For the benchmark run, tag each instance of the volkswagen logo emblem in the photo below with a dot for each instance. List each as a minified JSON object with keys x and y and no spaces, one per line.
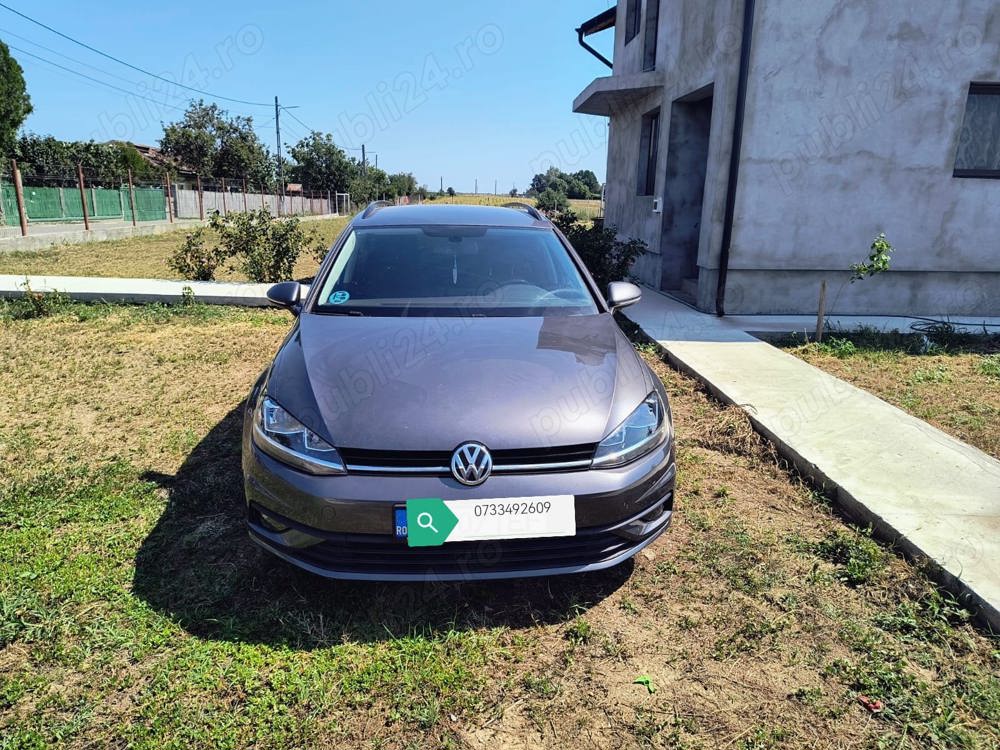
{"x":471,"y":463}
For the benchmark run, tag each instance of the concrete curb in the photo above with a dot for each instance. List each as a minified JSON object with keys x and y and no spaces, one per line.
{"x":935,"y":498}
{"x":90,"y":289}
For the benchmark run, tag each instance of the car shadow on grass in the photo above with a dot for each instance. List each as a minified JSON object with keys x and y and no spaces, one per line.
{"x":199,"y":568}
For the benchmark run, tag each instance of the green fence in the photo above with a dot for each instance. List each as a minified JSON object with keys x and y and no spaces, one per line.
{"x":53,"y":204}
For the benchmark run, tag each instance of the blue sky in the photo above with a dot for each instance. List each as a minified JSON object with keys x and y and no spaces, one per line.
{"x":457,"y":89}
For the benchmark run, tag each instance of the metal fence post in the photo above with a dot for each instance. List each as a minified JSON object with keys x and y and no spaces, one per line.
{"x":201,"y":199}
{"x":19,"y":192}
{"x":225,"y":211}
{"x":131,"y":197}
{"x":166,"y":197}
{"x":83,"y":196}
{"x":246,"y":208}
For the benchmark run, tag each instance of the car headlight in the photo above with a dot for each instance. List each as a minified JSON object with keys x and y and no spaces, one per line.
{"x":279,"y":434}
{"x":644,"y":429}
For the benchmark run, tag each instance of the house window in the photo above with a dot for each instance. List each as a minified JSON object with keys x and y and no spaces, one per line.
{"x":648,"y":145}
{"x":649,"y":43}
{"x":979,"y":142}
{"x":632,"y":12}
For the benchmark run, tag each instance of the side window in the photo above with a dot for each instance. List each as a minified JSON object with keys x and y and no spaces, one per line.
{"x":632,"y":13}
{"x":978,"y":152}
{"x":648,"y":148}
{"x":649,"y":42}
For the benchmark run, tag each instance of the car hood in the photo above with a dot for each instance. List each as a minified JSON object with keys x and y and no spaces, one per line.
{"x":432,"y":383}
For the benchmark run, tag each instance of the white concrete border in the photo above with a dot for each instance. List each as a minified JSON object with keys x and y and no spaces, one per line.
{"x":933,"y":496}
{"x":90,"y":288}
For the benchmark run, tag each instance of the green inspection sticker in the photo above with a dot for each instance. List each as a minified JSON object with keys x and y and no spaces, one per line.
{"x":429,"y":522}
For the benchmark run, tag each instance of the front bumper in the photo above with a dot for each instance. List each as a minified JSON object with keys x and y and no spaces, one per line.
{"x":342,"y":527}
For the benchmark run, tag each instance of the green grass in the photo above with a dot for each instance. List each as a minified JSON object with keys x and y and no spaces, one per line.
{"x":135,"y":612}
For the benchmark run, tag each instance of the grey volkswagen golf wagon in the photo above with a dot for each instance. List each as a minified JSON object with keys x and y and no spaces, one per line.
{"x":455,"y":401}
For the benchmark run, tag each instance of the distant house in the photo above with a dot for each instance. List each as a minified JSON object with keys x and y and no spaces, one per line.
{"x":184,"y":177}
{"x":758,"y":147}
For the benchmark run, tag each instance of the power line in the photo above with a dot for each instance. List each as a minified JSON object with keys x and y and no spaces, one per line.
{"x":96,"y":80}
{"x":129,"y":65}
{"x":308,"y":129}
{"x":67,"y":57}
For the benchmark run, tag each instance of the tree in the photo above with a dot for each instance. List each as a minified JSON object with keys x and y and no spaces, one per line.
{"x":15,"y":104}
{"x":582,"y":184}
{"x":590,"y":181}
{"x":369,"y":186}
{"x":513,"y":193}
{"x":451,"y":192}
{"x":401,"y":183}
{"x":319,"y":164}
{"x":207,"y":140}
{"x":103,"y":163}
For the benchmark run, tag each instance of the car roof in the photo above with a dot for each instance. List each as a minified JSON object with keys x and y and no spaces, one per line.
{"x":450,"y":214}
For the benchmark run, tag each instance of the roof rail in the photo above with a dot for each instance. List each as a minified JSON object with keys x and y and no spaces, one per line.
{"x":527,"y":208}
{"x":373,"y":207}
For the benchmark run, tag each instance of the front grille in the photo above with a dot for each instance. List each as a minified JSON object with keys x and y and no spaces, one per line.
{"x":383,"y":556}
{"x":380,"y":555}
{"x":524,"y":460}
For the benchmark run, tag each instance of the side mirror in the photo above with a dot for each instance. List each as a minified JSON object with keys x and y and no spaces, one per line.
{"x":622,"y":294}
{"x":287,"y":294}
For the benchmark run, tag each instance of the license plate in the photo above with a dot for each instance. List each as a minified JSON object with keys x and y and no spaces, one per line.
{"x":431,"y":521}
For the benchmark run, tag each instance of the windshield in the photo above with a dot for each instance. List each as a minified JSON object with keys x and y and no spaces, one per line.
{"x":461,"y":270}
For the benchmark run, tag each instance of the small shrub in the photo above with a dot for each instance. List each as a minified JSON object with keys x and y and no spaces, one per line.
{"x":33,"y":304}
{"x":878,"y":260}
{"x":265,"y":248}
{"x":858,"y":558}
{"x":990,"y":366}
{"x":606,"y":257}
{"x":193,"y":260}
{"x":552,"y":201}
{"x":840,"y":348}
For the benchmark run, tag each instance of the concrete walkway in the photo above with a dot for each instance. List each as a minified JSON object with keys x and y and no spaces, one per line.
{"x":92,"y":288}
{"x":932,"y":495}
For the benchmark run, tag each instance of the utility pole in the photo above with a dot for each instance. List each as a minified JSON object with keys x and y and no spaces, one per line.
{"x":495,"y":187}
{"x":442,"y":185}
{"x":376,"y":160}
{"x":277,"y":135}
{"x":364,"y":160}
{"x":477,"y":186}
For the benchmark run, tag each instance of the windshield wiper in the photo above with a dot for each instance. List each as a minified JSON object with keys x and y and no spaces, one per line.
{"x":356,"y":313}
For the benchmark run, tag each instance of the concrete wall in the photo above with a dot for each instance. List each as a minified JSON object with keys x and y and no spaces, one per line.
{"x":186,"y":203}
{"x":853,"y":117}
{"x":854,"y":110}
{"x":697,"y":46}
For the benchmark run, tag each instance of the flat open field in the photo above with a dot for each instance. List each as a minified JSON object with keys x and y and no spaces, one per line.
{"x":146,"y":257}
{"x":135,"y":612}
{"x":585,"y":209}
{"x":954,"y":385}
{"x":139,"y":257}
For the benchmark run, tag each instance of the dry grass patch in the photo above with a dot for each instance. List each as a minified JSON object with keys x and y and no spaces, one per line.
{"x":139,"y":257}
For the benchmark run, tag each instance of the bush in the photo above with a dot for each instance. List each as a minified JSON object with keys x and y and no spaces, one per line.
{"x":552,"y":201}
{"x":193,"y":260}
{"x":266,"y":249}
{"x":606,"y":257}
